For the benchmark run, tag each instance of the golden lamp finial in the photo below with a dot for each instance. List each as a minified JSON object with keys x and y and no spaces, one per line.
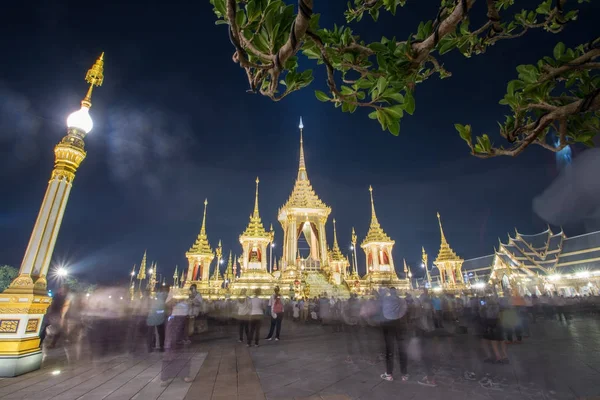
{"x":354,"y":237}
{"x":95,"y":77}
{"x":302,"y":165}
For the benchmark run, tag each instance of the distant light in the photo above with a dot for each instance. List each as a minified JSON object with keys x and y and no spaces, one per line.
{"x":437,"y":289}
{"x":110,"y":297}
{"x":81,"y":120}
{"x":479,"y":285}
{"x":56,"y":372}
{"x":87,"y":295}
{"x":422,"y":265}
{"x":150,"y":271}
{"x":351,"y":247}
{"x":132,"y":273}
{"x":121,"y":298}
{"x":583,"y":274}
{"x":61,"y":271}
{"x":554,"y":277}
{"x":272,"y":245}
{"x":222,"y":261}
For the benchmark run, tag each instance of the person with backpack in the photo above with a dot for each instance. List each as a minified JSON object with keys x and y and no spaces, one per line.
{"x":276,"y":303}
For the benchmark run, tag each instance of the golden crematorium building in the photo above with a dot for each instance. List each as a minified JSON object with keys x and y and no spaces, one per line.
{"x":544,"y":263}
{"x":306,"y":266}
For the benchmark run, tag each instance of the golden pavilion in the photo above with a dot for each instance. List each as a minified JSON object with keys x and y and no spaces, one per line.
{"x":307,"y":266}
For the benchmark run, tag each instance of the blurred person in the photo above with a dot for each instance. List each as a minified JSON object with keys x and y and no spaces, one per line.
{"x":394,"y":330}
{"x":195,"y":306}
{"x":243,"y":313}
{"x":55,"y":314}
{"x":156,"y":320}
{"x":351,"y":315}
{"x":257,"y":310}
{"x":493,"y":334}
{"x":74,"y":327}
{"x":276,"y":302}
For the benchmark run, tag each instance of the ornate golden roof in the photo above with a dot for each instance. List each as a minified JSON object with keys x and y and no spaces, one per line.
{"x":303,"y":195}
{"x":255,"y":228}
{"x":446,"y":253}
{"x":375,"y":234}
{"x":335,"y":255}
{"x":201,"y":247}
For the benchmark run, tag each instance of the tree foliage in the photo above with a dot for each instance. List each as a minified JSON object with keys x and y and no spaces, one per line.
{"x":7,"y":275}
{"x":557,"y":96}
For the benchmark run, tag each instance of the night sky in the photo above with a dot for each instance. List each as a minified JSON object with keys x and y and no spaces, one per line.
{"x":173,"y":125}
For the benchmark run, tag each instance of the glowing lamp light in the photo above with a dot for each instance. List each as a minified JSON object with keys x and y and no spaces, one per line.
{"x":132,"y":273}
{"x":583,"y":274}
{"x":479,"y":285}
{"x":351,"y":247}
{"x":56,"y":372}
{"x":554,"y":277}
{"x":87,"y":295}
{"x":272,"y":245}
{"x":422,"y":265}
{"x":62,"y":272}
{"x":437,"y":289}
{"x":81,"y":120}
{"x":150,"y":271}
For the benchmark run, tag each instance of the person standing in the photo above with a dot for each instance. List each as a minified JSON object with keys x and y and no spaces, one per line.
{"x":394,"y":328}
{"x":256,"y":315}
{"x":243,"y":312}
{"x":195,"y":305}
{"x":176,"y":327}
{"x":156,"y":321}
{"x":276,"y":315}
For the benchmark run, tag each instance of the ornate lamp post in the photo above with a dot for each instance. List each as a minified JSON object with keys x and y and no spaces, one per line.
{"x":424,"y":265}
{"x":24,"y":302}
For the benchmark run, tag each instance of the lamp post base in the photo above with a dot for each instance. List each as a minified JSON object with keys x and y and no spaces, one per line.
{"x":11,"y":366}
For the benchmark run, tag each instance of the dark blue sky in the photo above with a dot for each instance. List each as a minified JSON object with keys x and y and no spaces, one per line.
{"x":174,"y":124}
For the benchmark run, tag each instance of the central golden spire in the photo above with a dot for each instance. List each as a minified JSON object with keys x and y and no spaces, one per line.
{"x":256,"y":200}
{"x":201,"y":245}
{"x":203,"y":229}
{"x":374,"y":221}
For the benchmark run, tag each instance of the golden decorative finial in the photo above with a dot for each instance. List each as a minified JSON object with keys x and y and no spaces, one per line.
{"x":354,"y":237}
{"x":203,"y":229}
{"x":405,"y":267}
{"x":256,"y":199}
{"x":302,"y":166}
{"x":373,"y":215}
{"x":175,"y":274}
{"x":142,"y":271}
{"x":95,"y":77}
{"x":335,"y":242}
{"x":441,"y":229}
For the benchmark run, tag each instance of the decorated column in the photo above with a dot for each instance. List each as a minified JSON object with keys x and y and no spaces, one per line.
{"x":24,"y":303}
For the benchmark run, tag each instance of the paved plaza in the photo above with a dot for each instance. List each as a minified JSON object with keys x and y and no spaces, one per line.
{"x":559,"y":361}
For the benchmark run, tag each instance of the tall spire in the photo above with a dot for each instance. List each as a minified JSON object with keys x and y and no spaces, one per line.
{"x":335,"y":242}
{"x":175,"y":274}
{"x":256,"y":200}
{"x":374,"y":220}
{"x":302,"y":176}
{"x":441,"y":230}
{"x":203,"y":229}
{"x":142,"y":272}
{"x":376,"y":233}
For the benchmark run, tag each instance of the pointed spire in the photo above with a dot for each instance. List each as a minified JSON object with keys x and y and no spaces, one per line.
{"x":441,"y":230}
{"x":142,"y":272}
{"x":405,"y":267}
{"x":335,"y":242}
{"x":374,"y":220}
{"x":256,"y":200}
{"x":302,"y":176}
{"x":203,"y":229}
{"x":95,"y":77}
{"x":175,"y":273}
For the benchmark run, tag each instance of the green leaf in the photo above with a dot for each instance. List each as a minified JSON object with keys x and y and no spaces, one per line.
{"x":514,"y":85}
{"x":381,"y":118}
{"x":373,"y":115}
{"x":559,"y":50}
{"x":394,"y":127}
{"x":396,"y":111}
{"x":464,"y":131}
{"x":321,"y":96}
{"x":381,"y":84}
{"x":409,"y":102}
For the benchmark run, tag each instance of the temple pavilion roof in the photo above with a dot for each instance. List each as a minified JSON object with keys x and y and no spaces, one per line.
{"x":255,"y":228}
{"x":446,"y":254}
{"x":303,"y":195}
{"x":201,"y":247}
{"x":375,"y":233}
{"x":335,"y":254}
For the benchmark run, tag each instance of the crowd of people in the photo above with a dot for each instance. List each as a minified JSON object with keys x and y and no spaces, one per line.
{"x":374,"y":328}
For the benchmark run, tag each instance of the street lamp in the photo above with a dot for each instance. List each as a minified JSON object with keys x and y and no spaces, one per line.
{"x":62,"y":272}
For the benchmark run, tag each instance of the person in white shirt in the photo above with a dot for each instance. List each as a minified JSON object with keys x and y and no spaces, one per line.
{"x":257,"y":310}
{"x":176,"y":324}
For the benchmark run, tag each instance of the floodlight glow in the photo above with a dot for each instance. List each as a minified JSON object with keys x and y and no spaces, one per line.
{"x":583,"y":274}
{"x":554,"y":277}
{"x":479,"y":285}
{"x":61,"y":271}
{"x":56,"y":372}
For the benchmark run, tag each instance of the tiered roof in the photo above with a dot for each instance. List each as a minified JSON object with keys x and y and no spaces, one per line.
{"x":375,"y":233}
{"x":303,"y":194}
{"x":201,"y":247}
{"x":255,"y":228}
{"x":446,"y":254}
{"x":335,"y":254}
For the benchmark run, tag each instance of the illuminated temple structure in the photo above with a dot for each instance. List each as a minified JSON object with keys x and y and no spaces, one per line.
{"x":307,"y":265}
{"x":544,"y":263}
